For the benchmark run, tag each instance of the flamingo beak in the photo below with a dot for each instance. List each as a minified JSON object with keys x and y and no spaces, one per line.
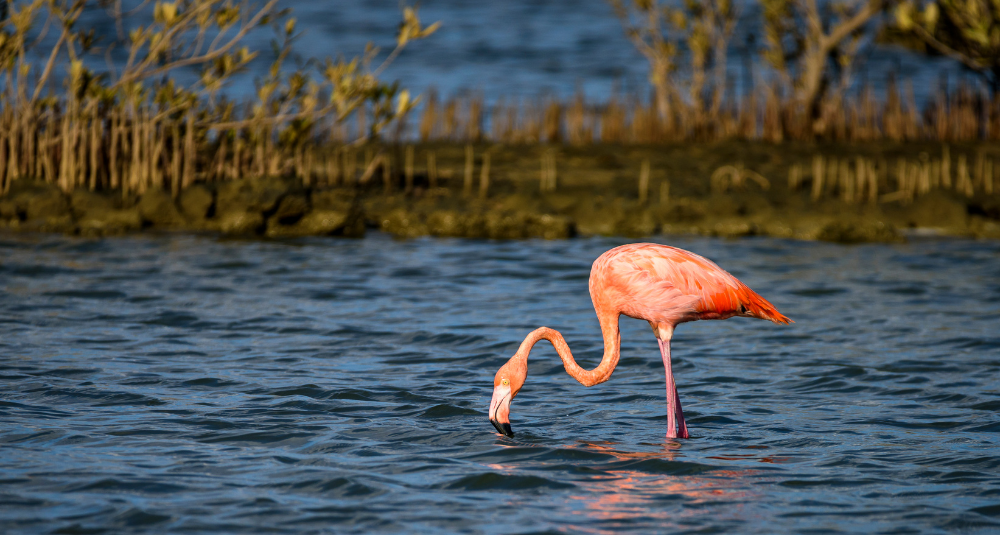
{"x":500,"y":410}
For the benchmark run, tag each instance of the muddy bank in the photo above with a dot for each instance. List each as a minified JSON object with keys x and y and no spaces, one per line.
{"x":265,"y":206}
{"x":730,"y":215}
{"x":844,"y":194}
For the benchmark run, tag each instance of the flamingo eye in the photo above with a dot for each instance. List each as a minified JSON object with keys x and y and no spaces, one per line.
{"x":505,"y":382}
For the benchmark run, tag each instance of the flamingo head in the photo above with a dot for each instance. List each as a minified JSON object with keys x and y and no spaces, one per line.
{"x":506,"y":384}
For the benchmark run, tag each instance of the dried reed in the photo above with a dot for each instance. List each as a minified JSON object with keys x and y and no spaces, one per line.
{"x":769,"y":114}
{"x":644,"y":181}
{"x":469,"y":164}
{"x":484,"y":176}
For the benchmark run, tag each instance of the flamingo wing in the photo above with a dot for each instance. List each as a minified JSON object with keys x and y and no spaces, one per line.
{"x":660,"y":284}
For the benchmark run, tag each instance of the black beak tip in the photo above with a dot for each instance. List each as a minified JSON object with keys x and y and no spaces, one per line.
{"x":502,"y":428}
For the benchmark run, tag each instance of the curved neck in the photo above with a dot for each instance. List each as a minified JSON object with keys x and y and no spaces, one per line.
{"x":612,"y":351}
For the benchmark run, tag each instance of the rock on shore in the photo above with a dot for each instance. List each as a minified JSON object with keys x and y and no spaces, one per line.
{"x":283,"y":208}
{"x":272,"y":207}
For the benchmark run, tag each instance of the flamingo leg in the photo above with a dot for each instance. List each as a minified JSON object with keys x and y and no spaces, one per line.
{"x":682,"y":431}
{"x":676,"y":427}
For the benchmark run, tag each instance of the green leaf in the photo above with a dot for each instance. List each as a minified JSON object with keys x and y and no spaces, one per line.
{"x":904,"y":16}
{"x":931,"y":15}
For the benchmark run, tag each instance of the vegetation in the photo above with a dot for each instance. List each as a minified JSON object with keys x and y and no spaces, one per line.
{"x":139,"y":126}
{"x":962,"y":114}
{"x":322,"y":147}
{"x":659,"y":32}
{"x":805,"y":43}
{"x":967,"y":31}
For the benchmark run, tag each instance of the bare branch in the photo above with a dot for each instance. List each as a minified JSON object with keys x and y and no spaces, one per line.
{"x":946,"y":50}
{"x":141,"y":71}
{"x":49,"y":64}
{"x":842,"y":30}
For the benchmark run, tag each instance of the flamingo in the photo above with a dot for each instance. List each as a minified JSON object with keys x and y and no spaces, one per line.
{"x":660,"y":284}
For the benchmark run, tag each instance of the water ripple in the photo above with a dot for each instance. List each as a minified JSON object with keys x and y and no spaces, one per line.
{"x":184,"y":383}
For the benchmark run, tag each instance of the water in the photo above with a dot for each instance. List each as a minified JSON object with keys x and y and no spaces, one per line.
{"x":528,"y":48}
{"x":182,"y":383}
{"x":516,"y":49}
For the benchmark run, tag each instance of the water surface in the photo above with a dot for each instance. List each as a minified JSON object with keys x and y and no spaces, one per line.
{"x":515,"y":49}
{"x":183,"y":383}
{"x":529,"y":48}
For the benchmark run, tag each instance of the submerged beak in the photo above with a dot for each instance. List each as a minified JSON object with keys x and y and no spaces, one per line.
{"x":500,"y":410}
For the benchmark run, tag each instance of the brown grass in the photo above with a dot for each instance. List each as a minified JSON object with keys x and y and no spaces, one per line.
{"x":88,"y":144}
{"x":965,"y":114}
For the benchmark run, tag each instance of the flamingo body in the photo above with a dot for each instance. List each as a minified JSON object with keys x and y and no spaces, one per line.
{"x":666,"y":285}
{"x":663,"y":285}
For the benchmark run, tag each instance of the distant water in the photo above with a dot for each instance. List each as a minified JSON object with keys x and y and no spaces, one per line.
{"x":529,"y":48}
{"x":516,"y":49}
{"x":174,"y":383}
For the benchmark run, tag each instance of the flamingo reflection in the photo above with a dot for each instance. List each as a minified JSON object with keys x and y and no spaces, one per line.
{"x":626,"y":491}
{"x":635,"y":495}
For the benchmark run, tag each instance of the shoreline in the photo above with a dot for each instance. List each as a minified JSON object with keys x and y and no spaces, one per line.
{"x":847,"y":194}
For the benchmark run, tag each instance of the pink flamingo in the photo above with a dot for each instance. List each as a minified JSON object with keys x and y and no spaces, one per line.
{"x":657,"y":283}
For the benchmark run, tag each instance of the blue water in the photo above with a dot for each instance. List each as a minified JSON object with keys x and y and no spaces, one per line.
{"x":183,"y":383}
{"x":530,"y":48}
{"x":513,"y":50}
